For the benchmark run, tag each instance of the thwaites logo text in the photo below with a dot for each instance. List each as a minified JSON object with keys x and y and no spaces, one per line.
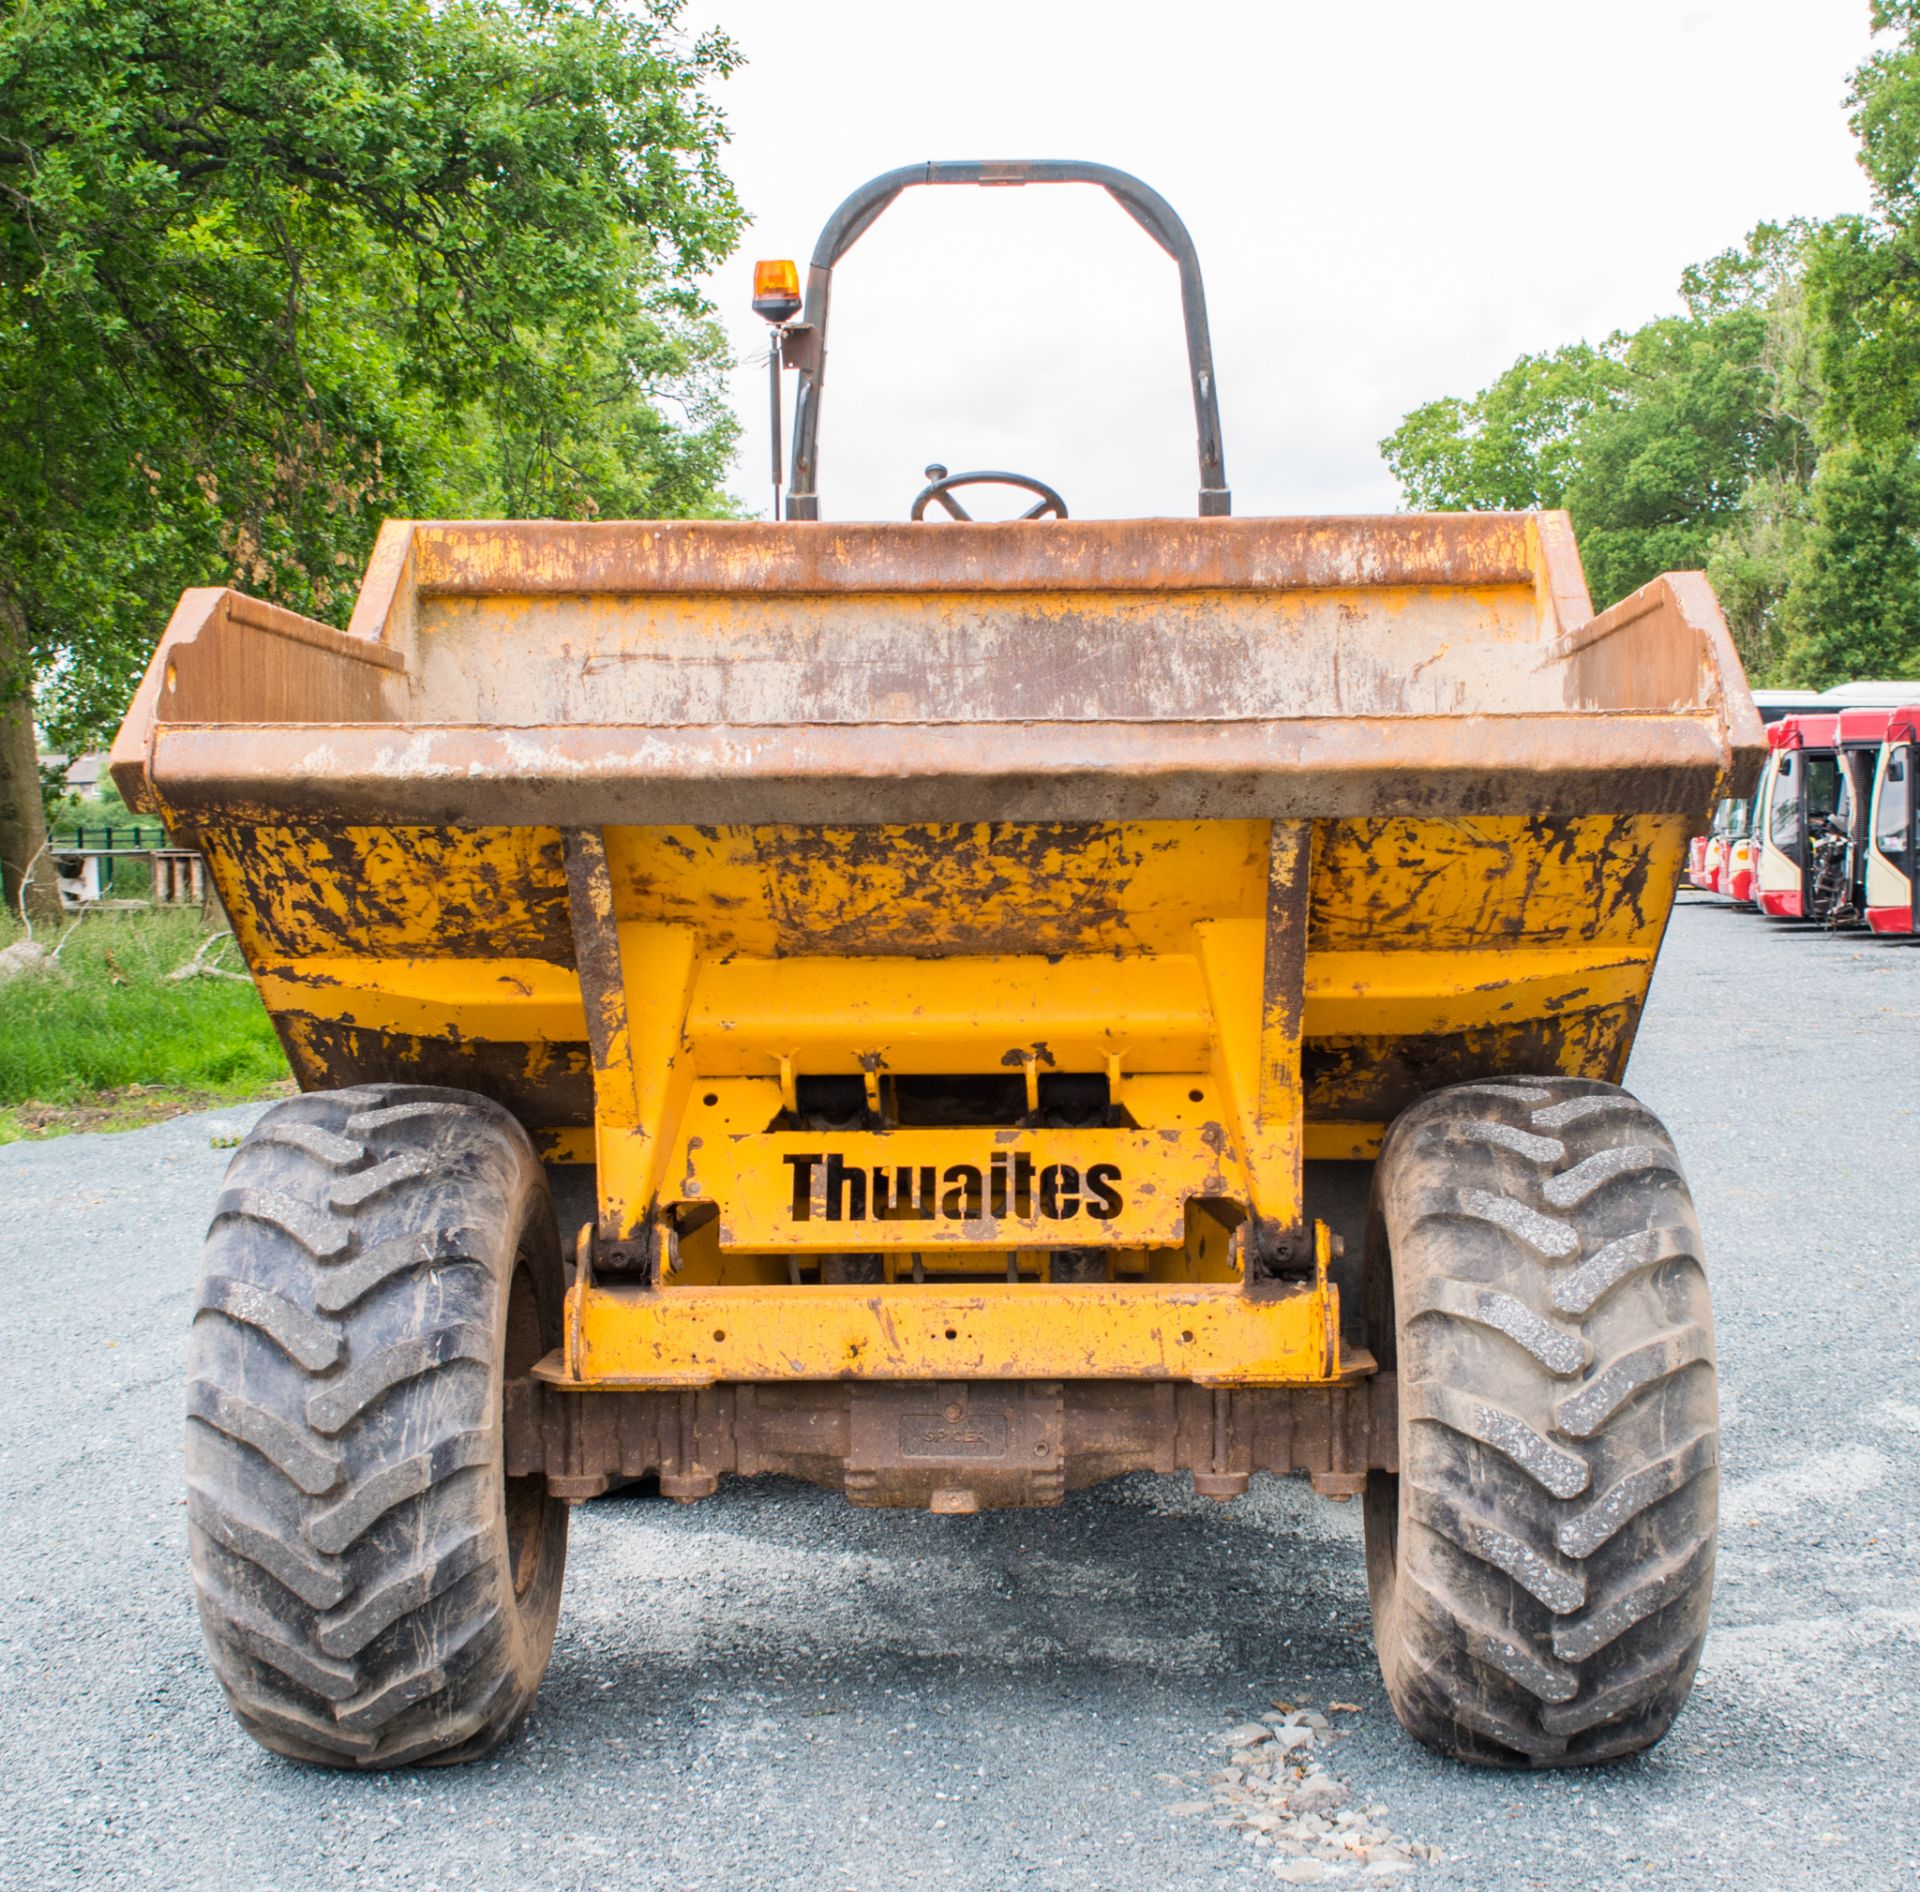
{"x":1005,"y":1185}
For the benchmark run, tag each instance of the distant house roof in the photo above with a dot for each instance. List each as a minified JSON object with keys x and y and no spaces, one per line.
{"x":86,"y":771}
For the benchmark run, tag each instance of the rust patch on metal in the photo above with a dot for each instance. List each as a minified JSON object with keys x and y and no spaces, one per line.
{"x":1495,"y":880}
{"x":548,"y":1085}
{"x":977,"y":887}
{"x":988,"y":1446}
{"x":1371,"y":1080}
{"x":596,"y":945}
{"x":1284,"y":965}
{"x":1306,"y":767}
{"x":651,"y":556}
{"x":313,"y":891}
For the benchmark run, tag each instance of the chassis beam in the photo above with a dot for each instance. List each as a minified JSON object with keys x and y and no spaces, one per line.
{"x":956,"y":1446}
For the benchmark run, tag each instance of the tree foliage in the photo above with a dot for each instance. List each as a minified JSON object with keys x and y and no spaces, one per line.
{"x":1514,"y":445}
{"x":273,"y":269}
{"x":1770,"y":434}
{"x":1652,"y":440}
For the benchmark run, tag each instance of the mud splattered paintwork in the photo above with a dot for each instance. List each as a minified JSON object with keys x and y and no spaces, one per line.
{"x":1160,"y":856}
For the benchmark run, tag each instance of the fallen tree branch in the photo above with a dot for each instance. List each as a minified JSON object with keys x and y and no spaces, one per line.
{"x":198,"y":967}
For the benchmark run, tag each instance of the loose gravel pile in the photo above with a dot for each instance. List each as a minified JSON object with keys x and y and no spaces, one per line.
{"x":1279,"y":1791}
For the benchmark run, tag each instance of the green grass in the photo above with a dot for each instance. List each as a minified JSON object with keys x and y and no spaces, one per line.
{"x":103,"y":1037}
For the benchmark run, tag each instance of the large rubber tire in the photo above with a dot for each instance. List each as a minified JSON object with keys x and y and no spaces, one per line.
{"x":373,"y":1589}
{"x":1541,"y":1566}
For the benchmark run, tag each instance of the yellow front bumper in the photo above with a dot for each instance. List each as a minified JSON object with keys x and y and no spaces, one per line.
{"x":1210,"y":1333}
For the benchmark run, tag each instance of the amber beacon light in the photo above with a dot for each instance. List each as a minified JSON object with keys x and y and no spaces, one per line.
{"x":776,"y":290}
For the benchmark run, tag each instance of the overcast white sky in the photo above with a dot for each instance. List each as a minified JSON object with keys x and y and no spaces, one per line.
{"x":1391,"y":200}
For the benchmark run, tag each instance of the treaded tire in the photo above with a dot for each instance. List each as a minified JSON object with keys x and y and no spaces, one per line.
{"x":1541,"y":1566}
{"x":374,"y":1591}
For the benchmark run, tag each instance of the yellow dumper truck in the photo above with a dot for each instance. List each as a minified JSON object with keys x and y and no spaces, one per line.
{"x":1002,"y":1005}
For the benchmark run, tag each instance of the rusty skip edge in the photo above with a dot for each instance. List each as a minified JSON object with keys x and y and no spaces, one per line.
{"x":450,"y":558}
{"x":1322,"y":767}
{"x":955,"y":1446}
{"x":320,"y":732}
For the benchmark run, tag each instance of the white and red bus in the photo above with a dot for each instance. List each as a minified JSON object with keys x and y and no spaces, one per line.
{"x":1722,"y":860}
{"x":1709,"y":854}
{"x":1743,"y":860}
{"x":1733,"y":866}
{"x":1700,"y":858}
{"x":1800,"y":793}
{"x":1812,"y":832}
{"x":1892,"y":882}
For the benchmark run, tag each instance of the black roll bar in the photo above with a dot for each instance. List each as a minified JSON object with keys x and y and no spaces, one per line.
{"x":1146,"y":207}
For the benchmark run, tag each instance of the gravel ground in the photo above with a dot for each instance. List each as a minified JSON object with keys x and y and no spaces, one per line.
{"x":774,"y":1689}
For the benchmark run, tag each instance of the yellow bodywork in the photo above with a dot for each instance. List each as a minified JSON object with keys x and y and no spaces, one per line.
{"x":1463,"y":934}
{"x":953,"y":950}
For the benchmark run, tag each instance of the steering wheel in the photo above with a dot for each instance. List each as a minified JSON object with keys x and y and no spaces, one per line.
{"x":1049,"y":503}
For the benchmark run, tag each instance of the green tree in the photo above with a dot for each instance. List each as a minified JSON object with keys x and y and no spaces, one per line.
{"x":1514,"y":445}
{"x":1853,"y":606}
{"x":1771,"y":434}
{"x":273,"y":269}
{"x":1657,"y":441}
{"x":1885,"y":96}
{"x":1662,"y":472}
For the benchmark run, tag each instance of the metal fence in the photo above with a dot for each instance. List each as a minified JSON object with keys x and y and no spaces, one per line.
{"x":140,"y":837}
{"x":125,"y":866}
